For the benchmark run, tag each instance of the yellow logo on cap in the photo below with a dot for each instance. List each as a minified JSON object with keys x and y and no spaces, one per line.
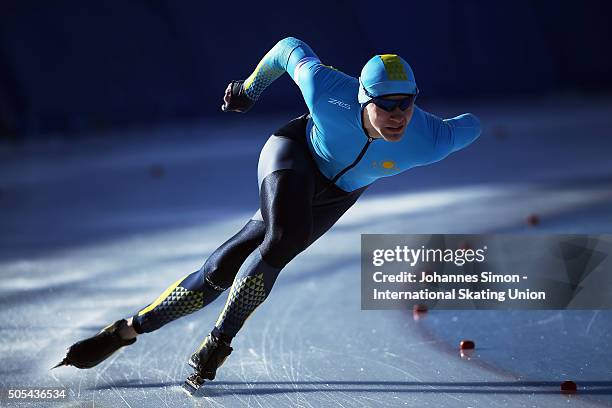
{"x":394,"y":67}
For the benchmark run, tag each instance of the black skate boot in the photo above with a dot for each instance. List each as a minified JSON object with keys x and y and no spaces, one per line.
{"x":92,"y":351}
{"x":205,"y":361}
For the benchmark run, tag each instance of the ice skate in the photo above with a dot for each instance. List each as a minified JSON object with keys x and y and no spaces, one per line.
{"x":205,"y":361}
{"x":92,"y":351}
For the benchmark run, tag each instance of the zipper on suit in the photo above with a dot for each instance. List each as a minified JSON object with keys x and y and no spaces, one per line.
{"x":354,"y":163}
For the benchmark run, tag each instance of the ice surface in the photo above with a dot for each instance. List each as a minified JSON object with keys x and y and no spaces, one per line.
{"x":90,"y":233}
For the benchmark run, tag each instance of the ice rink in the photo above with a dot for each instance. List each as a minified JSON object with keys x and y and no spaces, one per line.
{"x":92,"y":230}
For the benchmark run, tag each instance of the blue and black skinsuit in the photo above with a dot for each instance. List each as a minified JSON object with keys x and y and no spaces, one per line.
{"x":310,"y":172}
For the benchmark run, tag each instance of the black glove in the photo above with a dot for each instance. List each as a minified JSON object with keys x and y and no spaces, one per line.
{"x":235,"y":99}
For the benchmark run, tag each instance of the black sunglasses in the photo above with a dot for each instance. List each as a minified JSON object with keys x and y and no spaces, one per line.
{"x":389,"y":105}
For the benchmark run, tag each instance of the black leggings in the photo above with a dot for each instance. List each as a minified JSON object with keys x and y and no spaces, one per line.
{"x":297,"y":205}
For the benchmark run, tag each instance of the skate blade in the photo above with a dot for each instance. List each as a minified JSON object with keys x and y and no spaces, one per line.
{"x":190,"y":387}
{"x":60,"y":364}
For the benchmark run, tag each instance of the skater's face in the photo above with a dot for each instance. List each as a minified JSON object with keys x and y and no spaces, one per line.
{"x":389,"y":125}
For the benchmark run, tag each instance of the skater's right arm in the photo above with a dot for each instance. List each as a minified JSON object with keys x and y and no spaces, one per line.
{"x":288,"y":55}
{"x":451,"y":135}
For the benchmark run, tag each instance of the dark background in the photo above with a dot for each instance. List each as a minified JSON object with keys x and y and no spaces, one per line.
{"x":72,"y":66}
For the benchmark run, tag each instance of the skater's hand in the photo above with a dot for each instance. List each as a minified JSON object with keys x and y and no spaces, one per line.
{"x":235,"y":99}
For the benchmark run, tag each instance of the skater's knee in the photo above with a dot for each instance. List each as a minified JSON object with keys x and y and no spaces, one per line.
{"x":215,"y":277}
{"x":223,"y":264}
{"x":283,"y":245}
{"x":203,"y":280}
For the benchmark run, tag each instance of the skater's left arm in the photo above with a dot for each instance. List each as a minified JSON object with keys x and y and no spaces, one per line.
{"x":289,"y":55}
{"x":451,"y":135}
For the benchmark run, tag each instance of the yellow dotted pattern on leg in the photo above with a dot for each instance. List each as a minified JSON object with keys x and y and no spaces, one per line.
{"x":174,"y":303}
{"x":246,"y":294}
